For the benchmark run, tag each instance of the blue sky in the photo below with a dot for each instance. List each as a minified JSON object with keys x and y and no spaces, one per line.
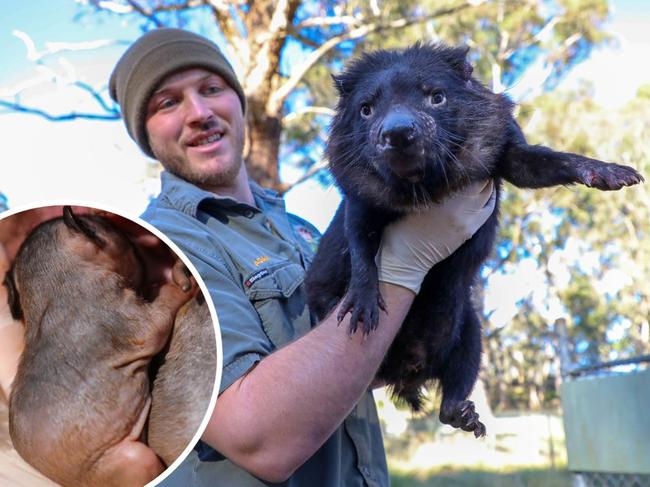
{"x":83,"y":159}
{"x":49,"y":21}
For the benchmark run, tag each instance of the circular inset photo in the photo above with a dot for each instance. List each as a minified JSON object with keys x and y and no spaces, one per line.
{"x":108,"y":349}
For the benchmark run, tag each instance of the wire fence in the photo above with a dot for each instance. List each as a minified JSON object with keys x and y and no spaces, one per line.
{"x":604,"y":479}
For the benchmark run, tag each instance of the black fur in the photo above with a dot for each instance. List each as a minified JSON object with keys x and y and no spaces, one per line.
{"x":412,"y":126}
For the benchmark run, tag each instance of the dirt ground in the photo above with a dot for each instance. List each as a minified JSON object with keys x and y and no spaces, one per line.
{"x":14,"y":472}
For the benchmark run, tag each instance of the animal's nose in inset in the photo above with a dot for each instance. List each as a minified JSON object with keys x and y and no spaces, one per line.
{"x":398,"y":131}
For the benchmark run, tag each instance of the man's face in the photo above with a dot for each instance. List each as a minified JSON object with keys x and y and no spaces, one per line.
{"x":196,"y":128}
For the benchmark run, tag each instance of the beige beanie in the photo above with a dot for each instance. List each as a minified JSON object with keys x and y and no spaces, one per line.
{"x":152,"y":58}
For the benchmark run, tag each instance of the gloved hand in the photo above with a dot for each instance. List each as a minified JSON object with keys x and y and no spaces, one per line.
{"x":415,"y":243}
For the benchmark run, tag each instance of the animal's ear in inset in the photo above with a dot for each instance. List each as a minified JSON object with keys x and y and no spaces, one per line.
{"x":73,"y":222}
{"x":340,"y":84}
{"x":12,"y":296}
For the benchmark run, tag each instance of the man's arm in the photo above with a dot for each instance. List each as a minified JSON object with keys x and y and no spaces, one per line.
{"x":275,"y":417}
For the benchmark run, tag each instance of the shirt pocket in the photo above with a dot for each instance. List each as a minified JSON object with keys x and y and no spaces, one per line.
{"x":279,"y":298}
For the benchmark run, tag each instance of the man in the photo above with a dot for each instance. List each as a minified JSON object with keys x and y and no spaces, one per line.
{"x":295,"y":406}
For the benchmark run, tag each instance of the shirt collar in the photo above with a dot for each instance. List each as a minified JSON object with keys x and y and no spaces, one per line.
{"x":187,"y":197}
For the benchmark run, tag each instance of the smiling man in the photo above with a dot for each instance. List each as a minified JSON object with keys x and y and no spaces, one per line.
{"x":295,"y":406}
{"x":203,"y":149}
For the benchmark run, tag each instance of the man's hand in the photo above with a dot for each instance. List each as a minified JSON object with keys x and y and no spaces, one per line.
{"x":417,"y":242}
{"x":276,"y":416}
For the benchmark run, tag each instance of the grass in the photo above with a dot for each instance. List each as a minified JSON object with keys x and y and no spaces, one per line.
{"x":482,"y":478}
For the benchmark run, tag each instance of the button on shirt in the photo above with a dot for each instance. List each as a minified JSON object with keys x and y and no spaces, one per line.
{"x":253,"y":261}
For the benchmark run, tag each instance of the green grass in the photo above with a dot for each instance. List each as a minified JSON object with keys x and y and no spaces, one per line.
{"x":478,"y":478}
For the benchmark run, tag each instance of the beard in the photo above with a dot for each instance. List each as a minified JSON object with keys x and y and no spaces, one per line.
{"x":208,"y":178}
{"x":204,"y":179}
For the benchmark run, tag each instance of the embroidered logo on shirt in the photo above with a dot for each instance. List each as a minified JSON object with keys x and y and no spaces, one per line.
{"x":256,"y":277}
{"x":308,"y":236}
{"x":305,"y":233}
{"x":261,"y":260}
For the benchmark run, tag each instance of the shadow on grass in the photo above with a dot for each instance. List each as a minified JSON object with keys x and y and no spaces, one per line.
{"x":478,"y":478}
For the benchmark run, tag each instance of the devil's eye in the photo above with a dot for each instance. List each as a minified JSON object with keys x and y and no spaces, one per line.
{"x":437,"y":98}
{"x":366,"y":110}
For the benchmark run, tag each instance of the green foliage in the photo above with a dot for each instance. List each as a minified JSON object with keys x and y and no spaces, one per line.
{"x":606,"y":295}
{"x":643,"y":92}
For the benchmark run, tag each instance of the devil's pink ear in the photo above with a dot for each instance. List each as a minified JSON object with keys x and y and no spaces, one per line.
{"x":461,"y":63}
{"x":467,"y":70}
{"x":340,"y":84}
{"x":12,"y":296}
{"x":456,"y":57}
{"x":74,"y":223}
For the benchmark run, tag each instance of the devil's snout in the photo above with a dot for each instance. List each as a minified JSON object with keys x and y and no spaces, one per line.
{"x":398,"y":131}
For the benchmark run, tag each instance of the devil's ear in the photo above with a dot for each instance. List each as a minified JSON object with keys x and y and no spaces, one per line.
{"x":341,"y":84}
{"x":74,"y":223}
{"x":456,"y":57}
{"x":12,"y":296}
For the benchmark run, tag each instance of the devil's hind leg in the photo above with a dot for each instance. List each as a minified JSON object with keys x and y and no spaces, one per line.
{"x":459,"y":375}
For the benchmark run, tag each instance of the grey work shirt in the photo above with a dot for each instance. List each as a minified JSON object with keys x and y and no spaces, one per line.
{"x":253,"y":261}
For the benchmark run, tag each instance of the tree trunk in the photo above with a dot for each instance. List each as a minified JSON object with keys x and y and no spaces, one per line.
{"x":263,"y":146}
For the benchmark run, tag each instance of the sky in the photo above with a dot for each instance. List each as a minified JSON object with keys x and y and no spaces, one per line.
{"x":96,"y":162}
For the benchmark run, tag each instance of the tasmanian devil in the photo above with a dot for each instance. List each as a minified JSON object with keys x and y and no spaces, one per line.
{"x":81,"y":397}
{"x":412,"y":126}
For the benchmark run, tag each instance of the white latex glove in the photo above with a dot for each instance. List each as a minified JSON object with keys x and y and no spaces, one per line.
{"x":414,"y":244}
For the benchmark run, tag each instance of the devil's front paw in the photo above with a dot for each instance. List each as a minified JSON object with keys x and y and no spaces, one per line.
{"x":608,"y":177}
{"x":363,"y":303}
{"x":462,"y":414}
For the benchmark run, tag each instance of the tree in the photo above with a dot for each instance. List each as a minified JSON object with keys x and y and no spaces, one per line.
{"x":285,"y":49}
{"x":590,"y":248}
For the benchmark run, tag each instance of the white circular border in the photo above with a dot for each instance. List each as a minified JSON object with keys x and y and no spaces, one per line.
{"x":199,"y":280}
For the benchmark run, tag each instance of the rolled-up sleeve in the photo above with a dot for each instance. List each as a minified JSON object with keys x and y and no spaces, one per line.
{"x":243,"y":339}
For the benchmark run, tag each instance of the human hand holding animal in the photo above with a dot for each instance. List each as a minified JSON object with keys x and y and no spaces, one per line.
{"x":413,"y":245}
{"x":412,"y":127}
{"x":116,"y":330}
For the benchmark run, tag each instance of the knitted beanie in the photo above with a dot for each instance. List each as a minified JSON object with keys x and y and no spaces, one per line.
{"x":152,"y":58}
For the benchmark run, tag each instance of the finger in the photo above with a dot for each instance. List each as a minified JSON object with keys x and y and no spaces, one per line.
{"x":181,"y":276}
{"x":488,"y":193}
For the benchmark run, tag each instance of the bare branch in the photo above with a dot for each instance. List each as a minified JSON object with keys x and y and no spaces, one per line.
{"x":237,"y":47}
{"x":305,"y":41}
{"x":323,"y":21}
{"x":298,"y":73}
{"x":114,"y":7}
{"x":541,"y":36}
{"x":121,"y":9}
{"x":45,"y":76}
{"x":545,"y":32}
{"x":52,"y":48}
{"x":314,"y":169}
{"x":267,"y":44}
{"x":111,"y":109}
{"x":572,"y":39}
{"x":149,"y":14}
{"x":318,"y":110}
{"x":18,"y":107}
